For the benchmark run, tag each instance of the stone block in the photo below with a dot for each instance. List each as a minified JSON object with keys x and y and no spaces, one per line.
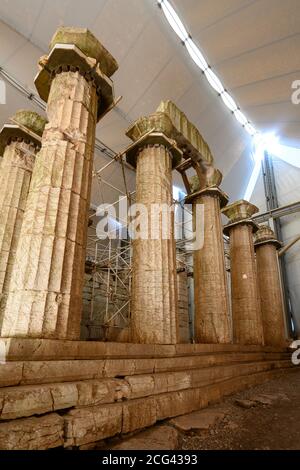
{"x":178,"y":380}
{"x":61,"y":371}
{"x":140,"y":385}
{"x":37,"y":433}
{"x":198,"y":421}
{"x":64,"y":395}
{"x":86,"y":425}
{"x":119,"y":367}
{"x":138,"y":414}
{"x":10,"y":373}
{"x":177,"y":403}
{"x":95,"y":392}
{"x":25,"y":401}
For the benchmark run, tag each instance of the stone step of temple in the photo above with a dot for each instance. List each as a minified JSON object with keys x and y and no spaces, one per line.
{"x":27,"y":400}
{"x":37,"y":372}
{"x":15,"y":349}
{"x":85,"y":425}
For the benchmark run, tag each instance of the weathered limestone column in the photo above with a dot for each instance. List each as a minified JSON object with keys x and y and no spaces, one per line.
{"x":45,"y":298}
{"x":183,"y":302}
{"x":154,"y":296}
{"x":210,"y":285}
{"x":19,"y":143}
{"x":246,"y":312}
{"x":269,"y":285}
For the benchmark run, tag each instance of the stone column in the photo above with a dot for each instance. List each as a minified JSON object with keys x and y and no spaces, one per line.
{"x":45,"y":298}
{"x":269,"y":285}
{"x":154,"y":296}
{"x":19,"y":144}
{"x":210,"y":284}
{"x":246,"y":312}
{"x":183,"y":302}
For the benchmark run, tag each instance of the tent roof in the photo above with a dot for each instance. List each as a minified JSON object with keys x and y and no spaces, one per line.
{"x":252,"y":45}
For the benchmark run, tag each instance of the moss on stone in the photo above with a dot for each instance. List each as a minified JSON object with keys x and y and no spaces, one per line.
{"x":31,"y":120}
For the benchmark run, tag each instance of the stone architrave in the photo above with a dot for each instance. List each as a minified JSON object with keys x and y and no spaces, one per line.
{"x":210,"y":283}
{"x":246,"y":311}
{"x":154,"y":313}
{"x":45,"y":298}
{"x":19,"y":141}
{"x":266,"y":246}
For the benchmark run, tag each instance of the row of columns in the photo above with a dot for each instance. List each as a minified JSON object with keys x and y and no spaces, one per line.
{"x":46,"y":174}
{"x":257,"y":309}
{"x":42,"y":288}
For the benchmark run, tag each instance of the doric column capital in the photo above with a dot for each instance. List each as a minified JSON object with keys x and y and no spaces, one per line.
{"x":77,"y":49}
{"x":266,"y":236}
{"x":26,"y":125}
{"x":212,"y":191}
{"x":210,"y":186}
{"x":240,"y":212}
{"x":157,"y":128}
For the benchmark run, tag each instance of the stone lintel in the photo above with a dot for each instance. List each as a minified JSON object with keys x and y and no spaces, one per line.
{"x":64,"y":57}
{"x":157,"y":128}
{"x":187,"y":136}
{"x":88,"y":44}
{"x":30,"y":120}
{"x":213,"y":191}
{"x":211,"y":177}
{"x":251,"y":222}
{"x":240,"y":210}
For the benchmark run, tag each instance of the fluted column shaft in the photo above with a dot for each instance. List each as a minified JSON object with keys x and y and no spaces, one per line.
{"x":270,"y":294}
{"x":210,"y":285}
{"x":183,"y":303}
{"x":46,"y":287}
{"x":246,"y":312}
{"x":154,"y":306}
{"x":16,"y":170}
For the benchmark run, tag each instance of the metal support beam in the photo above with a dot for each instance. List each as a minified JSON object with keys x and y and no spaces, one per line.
{"x":277,"y":212}
{"x":272,"y":206}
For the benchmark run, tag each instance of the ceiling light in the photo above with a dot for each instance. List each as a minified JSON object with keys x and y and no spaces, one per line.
{"x":174,"y":20}
{"x":214,"y":81}
{"x":240,"y":117}
{"x":229,"y":101}
{"x":250,"y":129}
{"x":196,"y":54}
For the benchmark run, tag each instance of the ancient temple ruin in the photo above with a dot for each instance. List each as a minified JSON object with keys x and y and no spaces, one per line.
{"x":101,"y":339}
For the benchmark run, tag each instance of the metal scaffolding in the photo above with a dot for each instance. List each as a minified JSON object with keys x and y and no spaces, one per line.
{"x":108,"y":261}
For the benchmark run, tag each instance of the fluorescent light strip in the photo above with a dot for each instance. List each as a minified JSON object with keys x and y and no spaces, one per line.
{"x":194,"y":52}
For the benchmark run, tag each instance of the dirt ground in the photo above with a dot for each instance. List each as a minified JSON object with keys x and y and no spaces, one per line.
{"x":274,"y":425}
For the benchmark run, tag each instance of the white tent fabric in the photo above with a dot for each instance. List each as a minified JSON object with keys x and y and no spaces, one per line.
{"x":253,"y":46}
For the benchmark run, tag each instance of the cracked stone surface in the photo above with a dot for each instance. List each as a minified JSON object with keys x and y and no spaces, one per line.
{"x":199,"y":420}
